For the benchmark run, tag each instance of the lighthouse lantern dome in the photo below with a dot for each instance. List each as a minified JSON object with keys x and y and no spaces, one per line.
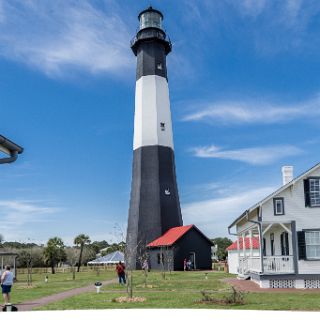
{"x":150,"y":18}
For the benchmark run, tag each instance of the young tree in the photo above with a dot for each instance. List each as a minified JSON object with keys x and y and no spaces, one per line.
{"x":54,"y":252}
{"x":72,"y":258}
{"x":223,"y":244}
{"x":81,"y":240}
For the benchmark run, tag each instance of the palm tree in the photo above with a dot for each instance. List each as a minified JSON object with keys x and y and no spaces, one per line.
{"x":54,"y":252}
{"x":81,"y":240}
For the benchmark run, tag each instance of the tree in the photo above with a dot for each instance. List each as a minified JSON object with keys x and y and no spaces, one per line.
{"x":1,"y":239}
{"x":54,"y":252}
{"x":72,"y":257}
{"x":81,"y":240}
{"x":223,"y":244}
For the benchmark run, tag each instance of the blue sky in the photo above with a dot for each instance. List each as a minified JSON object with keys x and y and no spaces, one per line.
{"x":244,"y":87}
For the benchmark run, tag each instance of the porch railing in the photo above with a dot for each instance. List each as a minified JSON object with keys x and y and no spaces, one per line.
{"x":271,"y":264}
{"x":278,"y":264}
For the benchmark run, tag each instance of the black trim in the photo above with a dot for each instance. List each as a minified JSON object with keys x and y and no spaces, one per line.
{"x":275,"y":207}
{"x":301,"y":245}
{"x":306,"y":193}
{"x":151,"y":34}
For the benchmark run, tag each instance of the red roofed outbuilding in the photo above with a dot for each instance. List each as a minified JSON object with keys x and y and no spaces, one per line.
{"x":177,"y":244}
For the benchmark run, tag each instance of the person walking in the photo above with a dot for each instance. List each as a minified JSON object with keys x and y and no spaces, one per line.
{"x":6,"y":284}
{"x":185,"y":264}
{"x":120,"y":269}
{"x":145,"y":265}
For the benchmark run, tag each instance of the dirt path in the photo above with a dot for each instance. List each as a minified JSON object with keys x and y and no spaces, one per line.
{"x":29,"y":305}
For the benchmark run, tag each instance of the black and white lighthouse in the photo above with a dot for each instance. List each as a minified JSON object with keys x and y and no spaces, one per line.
{"x":154,"y":204}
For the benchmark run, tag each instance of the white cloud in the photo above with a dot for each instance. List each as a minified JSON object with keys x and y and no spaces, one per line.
{"x":256,"y":156}
{"x":213,"y":216}
{"x":59,"y":36}
{"x":254,"y":111}
{"x":16,"y":214}
{"x":251,"y":7}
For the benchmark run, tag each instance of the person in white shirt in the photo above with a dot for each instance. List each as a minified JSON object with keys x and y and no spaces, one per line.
{"x":6,"y":284}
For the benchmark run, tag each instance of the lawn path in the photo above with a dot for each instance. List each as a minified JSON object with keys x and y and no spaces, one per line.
{"x":29,"y":305}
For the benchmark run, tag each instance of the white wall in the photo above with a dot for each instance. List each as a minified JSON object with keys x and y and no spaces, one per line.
{"x":294,"y":206}
{"x":233,"y":262}
{"x":152,"y":106}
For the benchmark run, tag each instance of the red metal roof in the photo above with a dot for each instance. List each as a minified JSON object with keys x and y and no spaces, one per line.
{"x":170,"y":237}
{"x":255,"y":244}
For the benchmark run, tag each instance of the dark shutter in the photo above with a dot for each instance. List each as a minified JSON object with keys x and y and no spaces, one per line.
{"x":284,"y":238}
{"x":301,"y":245}
{"x":306,"y":193}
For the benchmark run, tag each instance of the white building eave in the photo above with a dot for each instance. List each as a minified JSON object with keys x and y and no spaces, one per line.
{"x":272,"y":195}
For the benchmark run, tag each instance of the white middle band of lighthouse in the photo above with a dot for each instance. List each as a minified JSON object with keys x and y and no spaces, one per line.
{"x":152,"y":118}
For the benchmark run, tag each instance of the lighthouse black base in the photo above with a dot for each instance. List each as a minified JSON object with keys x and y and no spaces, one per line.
{"x":154,"y":204}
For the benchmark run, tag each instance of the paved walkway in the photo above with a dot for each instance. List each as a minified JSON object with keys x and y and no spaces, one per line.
{"x":250,"y":286}
{"x":29,"y":305}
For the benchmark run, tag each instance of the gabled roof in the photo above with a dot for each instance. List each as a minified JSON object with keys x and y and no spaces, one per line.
{"x":255,"y":244}
{"x":113,"y":257}
{"x":273,"y":194}
{"x":173,"y":235}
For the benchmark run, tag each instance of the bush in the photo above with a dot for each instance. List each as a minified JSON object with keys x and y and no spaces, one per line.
{"x":233,"y":297}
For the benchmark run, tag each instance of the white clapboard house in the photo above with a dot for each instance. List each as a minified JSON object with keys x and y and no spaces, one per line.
{"x":287,"y":224}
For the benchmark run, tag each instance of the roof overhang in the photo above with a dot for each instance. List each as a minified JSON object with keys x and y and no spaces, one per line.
{"x":260,"y":203}
{"x":9,"y":148}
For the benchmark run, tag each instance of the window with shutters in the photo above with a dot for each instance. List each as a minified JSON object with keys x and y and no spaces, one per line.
{"x":312,"y":192}
{"x":312,"y":239}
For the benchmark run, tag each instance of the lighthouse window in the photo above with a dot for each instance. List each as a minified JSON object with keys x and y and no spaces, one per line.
{"x":159,"y":66}
{"x":150,"y":19}
{"x":162,"y":126}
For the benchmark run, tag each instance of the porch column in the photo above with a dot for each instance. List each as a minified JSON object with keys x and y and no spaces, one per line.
{"x":261,"y":246}
{"x":238,"y":249}
{"x":294,"y":247}
{"x":244,"y":250}
{"x":250,"y":242}
{"x":244,"y":245}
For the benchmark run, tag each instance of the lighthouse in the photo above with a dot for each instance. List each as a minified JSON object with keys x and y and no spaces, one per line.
{"x":154,"y":201}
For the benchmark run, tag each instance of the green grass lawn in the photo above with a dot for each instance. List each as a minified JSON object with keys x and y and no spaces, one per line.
{"x":177,"y":290}
{"x":57,"y":283}
{"x":182,"y":290}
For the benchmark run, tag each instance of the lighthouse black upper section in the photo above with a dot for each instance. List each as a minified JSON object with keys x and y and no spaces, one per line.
{"x":151,"y":47}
